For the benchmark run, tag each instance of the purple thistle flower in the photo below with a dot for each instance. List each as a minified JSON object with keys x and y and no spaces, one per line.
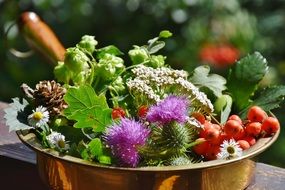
{"x":123,"y":139}
{"x":172,"y":108}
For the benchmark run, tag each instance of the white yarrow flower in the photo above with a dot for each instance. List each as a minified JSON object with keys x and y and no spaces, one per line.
{"x":229,"y":149}
{"x":56,"y":139}
{"x":39,"y":117}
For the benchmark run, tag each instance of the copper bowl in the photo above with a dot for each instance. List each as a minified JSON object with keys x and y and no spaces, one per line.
{"x":71,"y":173}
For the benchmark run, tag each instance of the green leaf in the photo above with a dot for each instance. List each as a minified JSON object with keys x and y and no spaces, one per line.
{"x":214,"y":82}
{"x":165,"y":34}
{"x":87,"y":108}
{"x":82,"y":149}
{"x":111,"y":49}
{"x":95,"y":147}
{"x":103,"y":159}
{"x":16,"y":115}
{"x":268,"y":98}
{"x":223,"y":107}
{"x":155,"y":47}
{"x":244,"y":78}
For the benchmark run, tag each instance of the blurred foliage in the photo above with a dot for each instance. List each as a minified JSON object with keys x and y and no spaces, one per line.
{"x":204,"y":31}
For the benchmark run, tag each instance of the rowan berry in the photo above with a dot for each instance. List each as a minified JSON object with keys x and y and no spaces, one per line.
{"x":253,"y":128}
{"x":118,"y":113}
{"x":243,"y":144}
{"x":233,"y":128}
{"x":270,"y":125}
{"x":256,"y":114}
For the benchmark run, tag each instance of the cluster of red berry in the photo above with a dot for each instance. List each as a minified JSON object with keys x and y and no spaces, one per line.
{"x":258,"y":124}
{"x":219,"y":55}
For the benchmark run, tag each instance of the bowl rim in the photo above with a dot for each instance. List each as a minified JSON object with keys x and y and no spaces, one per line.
{"x":260,"y":146}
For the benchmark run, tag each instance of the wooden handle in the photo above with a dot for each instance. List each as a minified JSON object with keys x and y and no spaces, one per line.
{"x":40,"y":37}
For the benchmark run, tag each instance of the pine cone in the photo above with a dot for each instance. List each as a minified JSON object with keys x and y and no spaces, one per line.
{"x":50,"y":94}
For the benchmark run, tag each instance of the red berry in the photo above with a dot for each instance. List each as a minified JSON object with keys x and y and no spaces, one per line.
{"x":216,"y":126}
{"x":212,"y":135}
{"x":202,"y":147}
{"x":243,"y":144}
{"x":239,"y":135}
{"x":256,"y":114}
{"x":209,"y":132}
{"x":212,"y":152}
{"x":118,"y":113}
{"x":233,"y":128}
{"x":253,"y":128}
{"x":200,"y":117}
{"x":142,"y":111}
{"x":270,"y":125}
{"x":235,"y":117}
{"x":251,"y":140}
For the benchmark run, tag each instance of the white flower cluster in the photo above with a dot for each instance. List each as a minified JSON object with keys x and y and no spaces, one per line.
{"x":151,"y":82}
{"x":198,"y":97}
{"x":194,"y":122}
{"x":144,"y":72}
{"x":141,"y":87}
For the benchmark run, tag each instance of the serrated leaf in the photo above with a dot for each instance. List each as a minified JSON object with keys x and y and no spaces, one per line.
{"x":269,"y":98}
{"x":111,"y":49}
{"x":87,"y":108}
{"x":214,"y":82}
{"x":244,"y":78}
{"x":95,"y":118}
{"x":16,"y":115}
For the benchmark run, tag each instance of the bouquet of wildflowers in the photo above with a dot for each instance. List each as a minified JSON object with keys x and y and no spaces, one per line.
{"x":138,"y":111}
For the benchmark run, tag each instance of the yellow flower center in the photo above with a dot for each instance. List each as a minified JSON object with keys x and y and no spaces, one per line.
{"x":38,"y":116}
{"x":61,"y":144}
{"x":231,"y":150}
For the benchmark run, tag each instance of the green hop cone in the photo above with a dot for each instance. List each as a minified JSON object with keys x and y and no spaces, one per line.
{"x":118,"y":85}
{"x":87,"y":43}
{"x":138,"y":55}
{"x":75,"y":60}
{"x":80,"y":78}
{"x":156,"y":61}
{"x":109,"y":66}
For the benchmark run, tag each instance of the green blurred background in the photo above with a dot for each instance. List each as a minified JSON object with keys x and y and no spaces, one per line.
{"x":245,"y":26}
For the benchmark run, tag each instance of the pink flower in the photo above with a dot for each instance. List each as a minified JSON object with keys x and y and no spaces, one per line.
{"x":124,"y":139}
{"x":172,"y":108}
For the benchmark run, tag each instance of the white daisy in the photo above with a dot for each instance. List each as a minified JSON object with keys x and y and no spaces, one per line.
{"x":229,"y":149}
{"x":39,"y":117}
{"x":56,"y":139}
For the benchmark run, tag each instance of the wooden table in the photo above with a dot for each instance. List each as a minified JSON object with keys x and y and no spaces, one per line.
{"x":18,"y":166}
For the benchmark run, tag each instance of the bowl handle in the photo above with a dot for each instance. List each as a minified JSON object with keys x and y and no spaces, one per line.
{"x":40,"y":37}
